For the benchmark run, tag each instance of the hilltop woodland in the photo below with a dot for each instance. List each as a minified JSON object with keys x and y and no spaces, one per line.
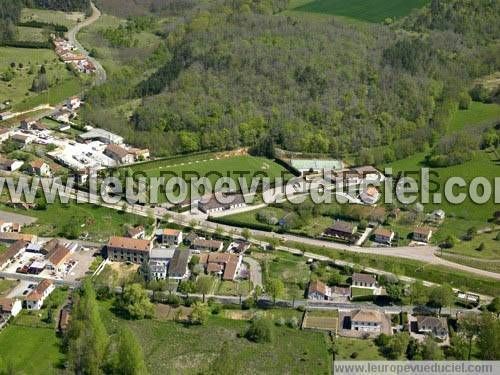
{"x":227,"y":73}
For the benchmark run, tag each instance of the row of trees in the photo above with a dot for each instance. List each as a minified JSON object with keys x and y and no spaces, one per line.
{"x":89,"y":346}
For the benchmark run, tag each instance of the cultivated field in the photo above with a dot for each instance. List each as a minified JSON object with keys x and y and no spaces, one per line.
{"x":363,"y":10}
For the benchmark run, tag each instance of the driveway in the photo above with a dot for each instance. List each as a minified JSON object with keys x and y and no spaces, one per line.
{"x":17,"y":218}
{"x":255,"y":271}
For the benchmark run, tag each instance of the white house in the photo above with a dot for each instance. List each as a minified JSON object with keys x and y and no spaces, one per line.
{"x":366,"y":321}
{"x":159,"y":260}
{"x":73,"y":103}
{"x":10,"y":307}
{"x":364,"y":280}
{"x":170,"y":236}
{"x":433,"y":326}
{"x":34,"y":300}
{"x":319,"y":291}
{"x":5,"y":226}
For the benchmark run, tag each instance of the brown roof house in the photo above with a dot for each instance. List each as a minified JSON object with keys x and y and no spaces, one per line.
{"x":39,"y":168}
{"x":137,"y":232}
{"x":57,"y":256}
{"x":124,"y":249}
{"x":433,"y":326}
{"x":364,"y":280}
{"x":119,"y":154}
{"x":422,"y":234}
{"x":319,"y":291}
{"x":170,"y":236}
{"x":223,"y":264}
{"x":342,"y":230}
{"x":34,"y":300}
{"x":383,"y":235}
{"x":367,"y":321}
{"x":210,"y":245}
{"x":11,"y":237}
{"x":12,"y":252}
{"x":10,"y":307}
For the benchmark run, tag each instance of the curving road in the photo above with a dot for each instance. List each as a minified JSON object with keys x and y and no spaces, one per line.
{"x":100,"y":72}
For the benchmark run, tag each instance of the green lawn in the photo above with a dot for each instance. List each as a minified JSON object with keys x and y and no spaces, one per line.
{"x":361,"y":292}
{"x":67,"y":19}
{"x":370,"y":11}
{"x":175,"y":348}
{"x":30,"y":350}
{"x":366,"y":349}
{"x":6,"y":286}
{"x":234,"y":288}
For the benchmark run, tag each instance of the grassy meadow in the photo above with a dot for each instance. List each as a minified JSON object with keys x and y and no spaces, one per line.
{"x":363,"y":10}
{"x":30,"y":350}
{"x":62,"y":83}
{"x":68,"y":19}
{"x":172,"y":348}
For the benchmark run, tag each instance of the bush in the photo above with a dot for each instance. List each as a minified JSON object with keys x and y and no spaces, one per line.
{"x":173,"y":299}
{"x":280,"y":322}
{"x":293,"y":322}
{"x":260,"y":330}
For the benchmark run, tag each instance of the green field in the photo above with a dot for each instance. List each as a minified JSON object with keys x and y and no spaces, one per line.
{"x":63,"y":83}
{"x":29,"y":350}
{"x":482,"y":165}
{"x":364,"y":10}
{"x":62,"y":219}
{"x":476,"y":114}
{"x":172,"y":348}
{"x":31,"y":34}
{"x":68,"y":19}
{"x":212,"y":166}
{"x":291,"y":269}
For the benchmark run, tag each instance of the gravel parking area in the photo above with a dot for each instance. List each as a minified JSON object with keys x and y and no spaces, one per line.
{"x":16,"y":218}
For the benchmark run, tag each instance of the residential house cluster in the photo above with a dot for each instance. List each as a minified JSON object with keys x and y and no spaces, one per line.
{"x":11,"y":307}
{"x":224,"y":265}
{"x":69,"y":54}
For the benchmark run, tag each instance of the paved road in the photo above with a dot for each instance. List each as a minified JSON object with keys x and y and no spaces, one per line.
{"x":425,"y":254}
{"x":100,"y":72}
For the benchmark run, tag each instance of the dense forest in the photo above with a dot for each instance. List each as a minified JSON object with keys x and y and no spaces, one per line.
{"x":62,"y":5}
{"x":229,"y":73}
